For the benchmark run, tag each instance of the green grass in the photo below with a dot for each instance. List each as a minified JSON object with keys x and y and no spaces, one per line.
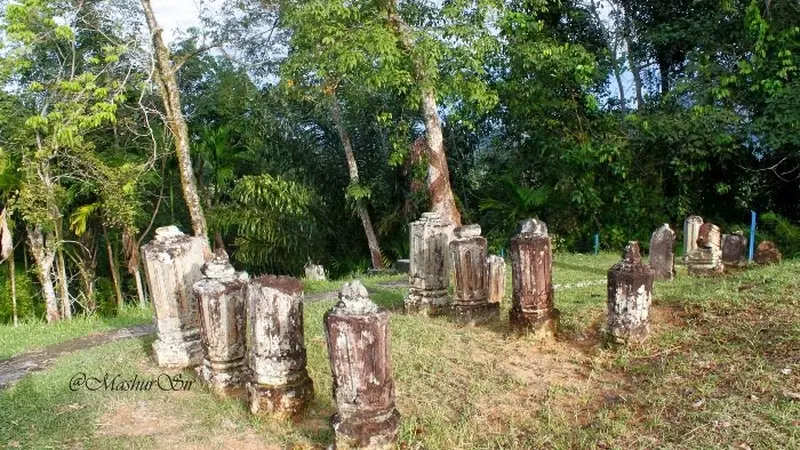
{"x":316,"y":287}
{"x":712,"y":375}
{"x":36,"y":334}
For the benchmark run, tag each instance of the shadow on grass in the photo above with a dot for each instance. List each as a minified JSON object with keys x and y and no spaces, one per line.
{"x":391,"y":299}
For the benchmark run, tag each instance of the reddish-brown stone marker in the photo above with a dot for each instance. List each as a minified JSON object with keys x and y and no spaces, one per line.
{"x":532,"y":309}
{"x":357,"y":331}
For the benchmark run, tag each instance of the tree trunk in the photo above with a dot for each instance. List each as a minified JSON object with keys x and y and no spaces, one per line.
{"x":176,"y":122}
{"x":137,"y":275}
{"x":44,"y":256}
{"x":634,"y":68}
{"x":61,"y":271}
{"x":442,"y":199}
{"x":611,"y":46}
{"x":12,"y":276}
{"x":663,"y":72}
{"x":352,"y":167}
{"x":114,"y":273}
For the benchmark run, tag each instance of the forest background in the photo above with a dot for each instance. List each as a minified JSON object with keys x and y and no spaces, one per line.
{"x":317,"y":130}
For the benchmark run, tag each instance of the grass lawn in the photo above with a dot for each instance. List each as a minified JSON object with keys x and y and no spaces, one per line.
{"x":36,"y":334}
{"x":721,"y":370}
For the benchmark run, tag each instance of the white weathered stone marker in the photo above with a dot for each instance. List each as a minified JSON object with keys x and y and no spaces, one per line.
{"x":630,"y":292}
{"x":357,"y":333}
{"x":662,"y":252}
{"x":172,"y":262}
{"x":471,"y":296}
{"x":222,"y":296}
{"x":496,"y":275}
{"x":532,"y":308}
{"x":691,"y":228}
{"x":427,"y":277}
{"x":281,"y":386}
{"x":314,"y":272}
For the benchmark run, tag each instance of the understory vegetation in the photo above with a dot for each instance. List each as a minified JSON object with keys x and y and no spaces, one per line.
{"x":720,"y":370}
{"x":317,"y":130}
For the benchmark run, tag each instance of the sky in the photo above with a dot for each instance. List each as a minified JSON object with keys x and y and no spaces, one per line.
{"x":175,"y":15}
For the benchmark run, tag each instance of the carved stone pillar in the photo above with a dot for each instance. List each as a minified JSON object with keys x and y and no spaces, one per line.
{"x":706,"y":259}
{"x":630,"y":291}
{"x":222,"y":296}
{"x":280,"y":386}
{"x":357,"y":333}
{"x":691,"y":229}
{"x":532,"y":279}
{"x":662,"y":252}
{"x":172,"y":262}
{"x":471,"y":297}
{"x":496,"y":275}
{"x":428,"y":279}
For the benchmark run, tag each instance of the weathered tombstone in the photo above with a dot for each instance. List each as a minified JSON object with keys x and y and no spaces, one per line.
{"x":767,"y":253}
{"x":706,"y":259}
{"x":222,"y":296}
{"x":314,"y":272}
{"x":172,"y":262}
{"x":662,"y":252}
{"x":734,"y":247}
{"x":357,"y":333}
{"x":281,"y":385}
{"x":691,"y":228}
{"x":532,"y":281}
{"x":471,"y":297}
{"x":630,"y":291}
{"x":709,"y":236}
{"x":428,"y":279}
{"x":496,"y":274}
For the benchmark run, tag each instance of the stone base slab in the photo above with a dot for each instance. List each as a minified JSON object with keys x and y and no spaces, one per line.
{"x":475,"y":314}
{"x":178,"y":355}
{"x":631,"y":336}
{"x":283,"y":401}
{"x":706,"y":270}
{"x":541,"y":326}
{"x":374,"y":432}
{"x":427,"y":303}
{"x":227,"y":381}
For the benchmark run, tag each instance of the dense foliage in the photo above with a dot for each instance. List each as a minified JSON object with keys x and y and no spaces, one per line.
{"x":304,"y":118}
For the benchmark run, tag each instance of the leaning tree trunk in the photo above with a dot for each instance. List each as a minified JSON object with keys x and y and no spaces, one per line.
{"x":176,"y":122}
{"x":114,"y":272}
{"x":44,"y":256}
{"x":441,"y":194}
{"x":352,"y":166}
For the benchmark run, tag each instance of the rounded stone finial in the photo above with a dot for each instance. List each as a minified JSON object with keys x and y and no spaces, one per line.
{"x":533,"y":226}
{"x":632,"y":252}
{"x":168,"y":232}
{"x":354,"y":300}
{"x":219,"y":267}
{"x":467,"y":231}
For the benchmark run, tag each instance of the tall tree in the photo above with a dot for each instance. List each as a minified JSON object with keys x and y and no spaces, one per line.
{"x":165,"y":75}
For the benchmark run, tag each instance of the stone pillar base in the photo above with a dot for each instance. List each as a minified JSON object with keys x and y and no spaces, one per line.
{"x":476,"y":314}
{"x":542,"y":326}
{"x":282,"y":401}
{"x":225,"y":379}
{"x":178,"y":355}
{"x":706,"y":270}
{"x":624,"y":337}
{"x":373,"y":432}
{"x":427,"y":303}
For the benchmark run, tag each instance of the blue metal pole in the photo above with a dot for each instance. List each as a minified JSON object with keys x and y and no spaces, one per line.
{"x":752,"y":236}
{"x":596,"y":243}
